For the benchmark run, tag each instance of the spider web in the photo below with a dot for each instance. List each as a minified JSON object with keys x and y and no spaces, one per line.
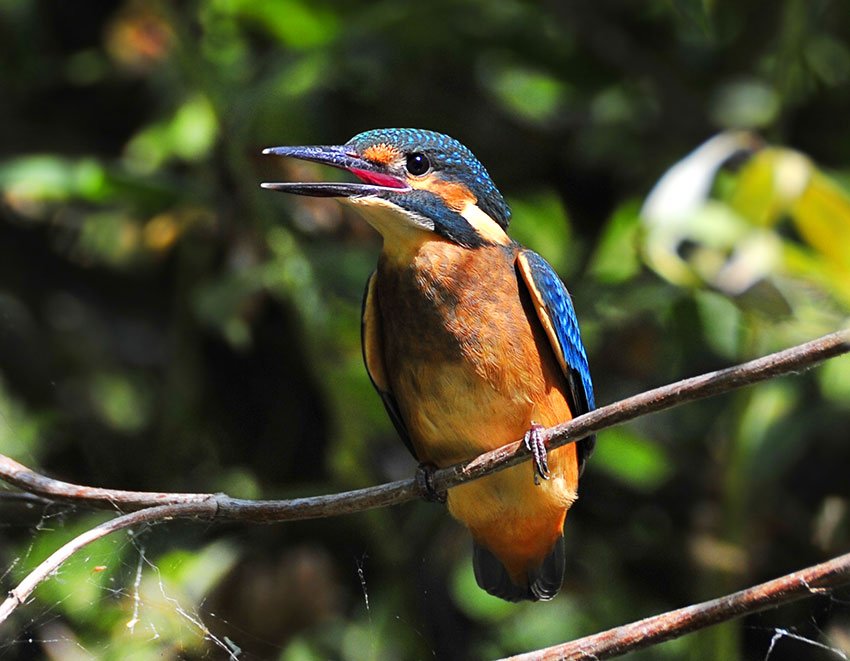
{"x":147,"y":609}
{"x":151,"y":611}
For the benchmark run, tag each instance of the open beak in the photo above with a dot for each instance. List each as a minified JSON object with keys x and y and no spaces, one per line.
{"x":374,"y":179}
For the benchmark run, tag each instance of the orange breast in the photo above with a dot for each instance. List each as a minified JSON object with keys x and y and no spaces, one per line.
{"x":460,"y":349}
{"x":471,"y":368}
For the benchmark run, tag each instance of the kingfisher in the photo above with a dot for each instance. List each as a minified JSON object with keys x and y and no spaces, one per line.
{"x":471,"y":341}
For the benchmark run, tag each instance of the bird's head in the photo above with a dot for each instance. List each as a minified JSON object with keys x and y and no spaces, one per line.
{"x":411,"y":181}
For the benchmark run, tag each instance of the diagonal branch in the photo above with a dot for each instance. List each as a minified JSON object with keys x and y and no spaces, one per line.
{"x":155,"y":507}
{"x":795,"y":359}
{"x":650,"y":631}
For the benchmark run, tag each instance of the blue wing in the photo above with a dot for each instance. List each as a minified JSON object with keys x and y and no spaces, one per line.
{"x":555,"y":311}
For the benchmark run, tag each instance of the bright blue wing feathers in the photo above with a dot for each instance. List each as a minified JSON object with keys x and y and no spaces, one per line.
{"x":556,"y":310}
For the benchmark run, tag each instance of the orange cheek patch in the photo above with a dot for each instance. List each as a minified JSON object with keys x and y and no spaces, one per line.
{"x":454,"y":194}
{"x":381,"y":153}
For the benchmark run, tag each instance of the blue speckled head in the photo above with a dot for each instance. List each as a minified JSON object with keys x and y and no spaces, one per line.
{"x":450,"y":158}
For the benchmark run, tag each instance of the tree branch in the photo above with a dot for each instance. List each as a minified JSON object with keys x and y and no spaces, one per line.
{"x":673,"y":624}
{"x":154,"y":506}
{"x":795,"y":359}
{"x":790,"y":360}
{"x":224,"y":507}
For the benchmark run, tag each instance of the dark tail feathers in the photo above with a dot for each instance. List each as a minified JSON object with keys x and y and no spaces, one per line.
{"x":542,"y":583}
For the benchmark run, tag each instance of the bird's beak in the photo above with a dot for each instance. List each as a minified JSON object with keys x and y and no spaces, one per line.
{"x":374,"y":179}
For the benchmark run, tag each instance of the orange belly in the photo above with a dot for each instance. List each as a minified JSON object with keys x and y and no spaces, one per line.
{"x":471,"y":369}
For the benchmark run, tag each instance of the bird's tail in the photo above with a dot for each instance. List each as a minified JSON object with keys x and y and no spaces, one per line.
{"x":540,"y":583}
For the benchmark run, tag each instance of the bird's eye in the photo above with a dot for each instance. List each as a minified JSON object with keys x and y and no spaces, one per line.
{"x":418,"y":164}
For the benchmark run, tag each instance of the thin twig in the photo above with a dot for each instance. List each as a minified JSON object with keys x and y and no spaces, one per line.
{"x":815,"y":580}
{"x":28,"y":480}
{"x":23,"y":498}
{"x":224,"y":506}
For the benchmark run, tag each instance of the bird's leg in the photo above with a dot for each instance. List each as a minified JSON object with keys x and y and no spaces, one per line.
{"x":425,"y":483}
{"x":535,"y":444}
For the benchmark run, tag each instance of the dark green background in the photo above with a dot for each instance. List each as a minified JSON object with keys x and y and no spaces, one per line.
{"x":167,"y":325}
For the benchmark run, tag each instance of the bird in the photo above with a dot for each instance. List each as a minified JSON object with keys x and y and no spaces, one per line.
{"x":470,"y":339}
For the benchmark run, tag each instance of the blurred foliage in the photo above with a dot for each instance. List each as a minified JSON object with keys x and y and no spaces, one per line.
{"x":165,"y":324}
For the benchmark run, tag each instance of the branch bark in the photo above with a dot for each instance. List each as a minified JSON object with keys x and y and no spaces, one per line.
{"x":795,"y":359}
{"x":817,"y":579}
{"x":151,"y":507}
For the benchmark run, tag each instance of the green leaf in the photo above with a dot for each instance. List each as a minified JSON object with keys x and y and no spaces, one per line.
{"x":53,"y":178}
{"x":195,"y":572}
{"x":189,"y":134}
{"x":721,"y":323}
{"x":632,"y":459}
{"x":617,"y":258}
{"x":541,"y":223}
{"x":834,"y":378}
{"x":120,"y":402}
{"x":527,"y":630}
{"x":474,"y":601}
{"x":167,"y":599}
{"x":528,"y":93}
{"x":766,"y":406}
{"x":295,"y":24}
{"x":79,"y":589}
{"x":768,"y":440}
{"x":20,"y":428}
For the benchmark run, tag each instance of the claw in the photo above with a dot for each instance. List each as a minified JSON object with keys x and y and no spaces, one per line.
{"x":535,"y":444}
{"x":425,"y":482}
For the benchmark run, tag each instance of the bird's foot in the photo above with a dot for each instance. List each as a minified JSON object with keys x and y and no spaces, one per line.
{"x":425,"y":483}
{"x":535,"y":444}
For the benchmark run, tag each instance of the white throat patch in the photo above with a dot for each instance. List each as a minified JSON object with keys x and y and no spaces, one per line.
{"x":389,"y":219}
